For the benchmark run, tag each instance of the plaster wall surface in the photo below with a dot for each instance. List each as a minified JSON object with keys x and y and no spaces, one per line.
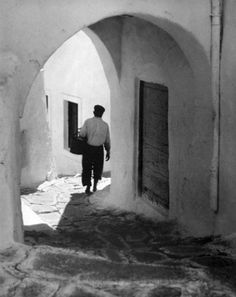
{"x":10,"y":211}
{"x":226,"y":219}
{"x":109,"y":32}
{"x":36,"y":157}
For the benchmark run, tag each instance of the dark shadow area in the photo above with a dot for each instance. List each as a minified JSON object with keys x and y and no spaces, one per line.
{"x":27,"y":191}
{"x":125,"y":237}
{"x":38,"y":228}
{"x":220,"y":265}
{"x":106,"y":174}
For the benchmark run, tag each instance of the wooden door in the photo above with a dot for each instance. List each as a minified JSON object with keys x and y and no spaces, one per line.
{"x":153,"y":143}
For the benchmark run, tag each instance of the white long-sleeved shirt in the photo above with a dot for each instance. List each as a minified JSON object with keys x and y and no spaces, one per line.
{"x":97,"y":132}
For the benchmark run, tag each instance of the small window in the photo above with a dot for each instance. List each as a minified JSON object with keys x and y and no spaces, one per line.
{"x":72,"y":120}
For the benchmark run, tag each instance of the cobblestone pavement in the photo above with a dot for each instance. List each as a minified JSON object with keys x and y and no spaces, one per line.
{"x":79,"y":247}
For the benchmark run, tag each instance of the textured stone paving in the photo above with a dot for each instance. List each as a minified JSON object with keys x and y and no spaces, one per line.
{"x":80,"y":247}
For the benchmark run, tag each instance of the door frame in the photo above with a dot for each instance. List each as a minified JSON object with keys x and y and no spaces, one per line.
{"x":138,"y":149}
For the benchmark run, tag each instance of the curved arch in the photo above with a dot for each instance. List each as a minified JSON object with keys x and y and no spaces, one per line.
{"x":190,"y":48}
{"x":78,"y":16}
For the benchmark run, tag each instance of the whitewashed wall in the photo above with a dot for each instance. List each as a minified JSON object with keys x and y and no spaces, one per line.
{"x":36,"y":147}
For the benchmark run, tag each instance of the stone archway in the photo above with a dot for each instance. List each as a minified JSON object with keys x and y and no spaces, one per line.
{"x":33,"y":55}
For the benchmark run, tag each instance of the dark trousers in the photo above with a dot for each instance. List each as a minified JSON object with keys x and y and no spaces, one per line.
{"x":92,"y":162}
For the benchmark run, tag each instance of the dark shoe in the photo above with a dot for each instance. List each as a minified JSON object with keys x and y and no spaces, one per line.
{"x":87,"y":191}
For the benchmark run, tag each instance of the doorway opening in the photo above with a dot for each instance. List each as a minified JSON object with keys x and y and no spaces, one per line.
{"x":72,"y":120}
{"x":153,"y":172}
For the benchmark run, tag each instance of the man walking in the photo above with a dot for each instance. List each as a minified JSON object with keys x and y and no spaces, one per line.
{"x":98,"y":136}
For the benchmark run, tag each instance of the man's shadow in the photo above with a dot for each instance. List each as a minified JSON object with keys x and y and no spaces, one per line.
{"x":77,"y":226}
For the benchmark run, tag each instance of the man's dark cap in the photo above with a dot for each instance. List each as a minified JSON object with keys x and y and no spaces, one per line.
{"x":99,"y":108}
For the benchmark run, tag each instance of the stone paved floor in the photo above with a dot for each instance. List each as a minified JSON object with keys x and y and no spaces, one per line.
{"x":75,"y":246}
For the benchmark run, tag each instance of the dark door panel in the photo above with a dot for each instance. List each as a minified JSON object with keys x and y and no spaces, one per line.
{"x":153,"y":144}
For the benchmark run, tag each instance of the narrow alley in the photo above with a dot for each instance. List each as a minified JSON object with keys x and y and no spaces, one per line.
{"x":78,"y":245}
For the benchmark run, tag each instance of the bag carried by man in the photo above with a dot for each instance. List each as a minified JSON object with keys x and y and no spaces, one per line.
{"x":78,"y":145}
